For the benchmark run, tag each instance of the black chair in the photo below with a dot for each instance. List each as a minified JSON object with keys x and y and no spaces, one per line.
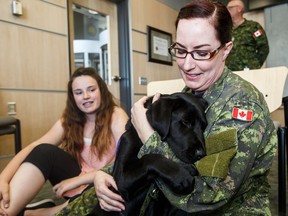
{"x":282,"y":160}
{"x":11,"y":125}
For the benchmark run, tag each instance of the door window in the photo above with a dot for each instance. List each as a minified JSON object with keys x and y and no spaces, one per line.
{"x":91,"y":40}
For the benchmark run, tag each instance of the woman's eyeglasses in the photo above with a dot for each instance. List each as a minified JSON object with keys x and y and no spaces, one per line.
{"x":199,"y":55}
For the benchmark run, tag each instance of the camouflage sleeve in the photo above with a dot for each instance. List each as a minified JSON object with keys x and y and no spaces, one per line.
{"x":82,"y":205}
{"x":256,"y":146}
{"x":108,"y":168}
{"x":152,"y":146}
{"x":86,"y":202}
{"x":262,"y":44}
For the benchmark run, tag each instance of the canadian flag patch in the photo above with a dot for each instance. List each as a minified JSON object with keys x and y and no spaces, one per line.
{"x":257,"y":33}
{"x":244,"y":115}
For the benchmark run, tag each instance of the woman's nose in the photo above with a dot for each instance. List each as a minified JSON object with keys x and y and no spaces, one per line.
{"x":189,"y":62}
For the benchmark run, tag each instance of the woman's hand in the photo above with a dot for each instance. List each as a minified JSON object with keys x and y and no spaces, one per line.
{"x":108,"y":200}
{"x":139,"y":119}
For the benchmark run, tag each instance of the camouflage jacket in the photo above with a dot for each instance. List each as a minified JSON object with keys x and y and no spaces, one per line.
{"x":240,"y":185}
{"x":250,"y":47}
{"x":244,"y":188}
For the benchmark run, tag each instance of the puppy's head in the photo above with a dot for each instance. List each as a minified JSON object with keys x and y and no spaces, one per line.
{"x":180,"y":120}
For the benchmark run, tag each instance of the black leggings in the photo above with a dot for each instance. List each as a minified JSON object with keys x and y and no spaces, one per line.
{"x":54,"y":163}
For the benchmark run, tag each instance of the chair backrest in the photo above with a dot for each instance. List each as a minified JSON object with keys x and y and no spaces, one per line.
{"x":269,"y":81}
{"x":165,"y":86}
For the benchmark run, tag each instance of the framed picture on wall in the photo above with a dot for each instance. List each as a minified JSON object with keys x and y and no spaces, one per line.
{"x":158,"y":44}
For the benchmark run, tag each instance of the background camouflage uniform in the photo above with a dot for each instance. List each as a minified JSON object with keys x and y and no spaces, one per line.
{"x":243,"y":189}
{"x":248,"y":51}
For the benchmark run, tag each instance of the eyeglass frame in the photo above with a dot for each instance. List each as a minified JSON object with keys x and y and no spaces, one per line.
{"x":212,"y":53}
{"x":233,"y":6}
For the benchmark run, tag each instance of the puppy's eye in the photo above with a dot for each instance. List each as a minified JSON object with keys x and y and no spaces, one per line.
{"x":187,"y":123}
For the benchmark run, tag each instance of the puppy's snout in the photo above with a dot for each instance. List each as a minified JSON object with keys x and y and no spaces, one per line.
{"x":200,"y":154}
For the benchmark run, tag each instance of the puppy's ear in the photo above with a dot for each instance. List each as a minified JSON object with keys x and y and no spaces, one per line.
{"x":159,"y":115}
{"x":195,"y":103}
{"x":148,"y":102}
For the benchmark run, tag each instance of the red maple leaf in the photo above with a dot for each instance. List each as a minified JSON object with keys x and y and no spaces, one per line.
{"x":242,"y":114}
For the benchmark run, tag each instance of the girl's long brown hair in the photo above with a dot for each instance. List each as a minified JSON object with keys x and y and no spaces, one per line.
{"x":73,"y":119}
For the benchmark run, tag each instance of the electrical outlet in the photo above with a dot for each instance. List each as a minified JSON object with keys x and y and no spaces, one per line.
{"x":142,"y":81}
{"x":11,"y":108}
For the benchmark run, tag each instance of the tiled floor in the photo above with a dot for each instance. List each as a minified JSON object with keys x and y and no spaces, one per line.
{"x":47,"y":192}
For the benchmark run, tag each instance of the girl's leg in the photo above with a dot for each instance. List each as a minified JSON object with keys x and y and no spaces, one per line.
{"x":25,"y":184}
{"x":45,"y":161}
{"x":55,"y":164}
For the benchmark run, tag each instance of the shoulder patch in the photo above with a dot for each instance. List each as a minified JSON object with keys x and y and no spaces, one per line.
{"x":240,"y":114}
{"x":258,"y":33}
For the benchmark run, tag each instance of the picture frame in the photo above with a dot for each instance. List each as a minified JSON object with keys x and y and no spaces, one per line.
{"x":158,"y":44}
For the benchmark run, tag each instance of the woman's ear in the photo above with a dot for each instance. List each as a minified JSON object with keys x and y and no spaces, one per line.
{"x":227,"y":49}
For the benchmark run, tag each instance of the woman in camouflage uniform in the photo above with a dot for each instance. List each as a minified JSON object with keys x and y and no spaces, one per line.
{"x":241,"y":140}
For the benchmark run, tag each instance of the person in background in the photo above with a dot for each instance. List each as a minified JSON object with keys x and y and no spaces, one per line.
{"x":68,"y":155}
{"x":250,"y":43}
{"x":241,"y":139}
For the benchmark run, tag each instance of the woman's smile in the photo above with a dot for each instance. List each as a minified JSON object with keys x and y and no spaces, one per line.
{"x":192,"y":76}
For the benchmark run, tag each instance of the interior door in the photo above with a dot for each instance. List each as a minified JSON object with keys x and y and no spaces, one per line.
{"x":104,"y":56}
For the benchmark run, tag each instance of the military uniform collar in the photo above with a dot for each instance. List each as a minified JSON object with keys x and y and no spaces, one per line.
{"x":242,"y":24}
{"x":216,"y":89}
{"x":239,"y":23}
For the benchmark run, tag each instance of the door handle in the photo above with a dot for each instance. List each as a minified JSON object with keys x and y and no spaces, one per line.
{"x":116,"y":78}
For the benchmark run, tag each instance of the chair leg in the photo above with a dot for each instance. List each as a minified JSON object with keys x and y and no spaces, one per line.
{"x":17,"y":135}
{"x":282,"y":133}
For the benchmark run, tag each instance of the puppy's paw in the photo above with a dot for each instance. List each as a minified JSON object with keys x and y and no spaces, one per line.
{"x":191,"y":169}
{"x":184,"y":183}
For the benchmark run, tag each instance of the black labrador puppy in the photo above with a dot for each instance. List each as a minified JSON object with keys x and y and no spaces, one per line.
{"x":180,"y":121}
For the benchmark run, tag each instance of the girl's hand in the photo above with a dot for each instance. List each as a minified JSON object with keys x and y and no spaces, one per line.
{"x":64,"y":186}
{"x":4,"y":195}
{"x":108,"y":200}
{"x":2,"y":212}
